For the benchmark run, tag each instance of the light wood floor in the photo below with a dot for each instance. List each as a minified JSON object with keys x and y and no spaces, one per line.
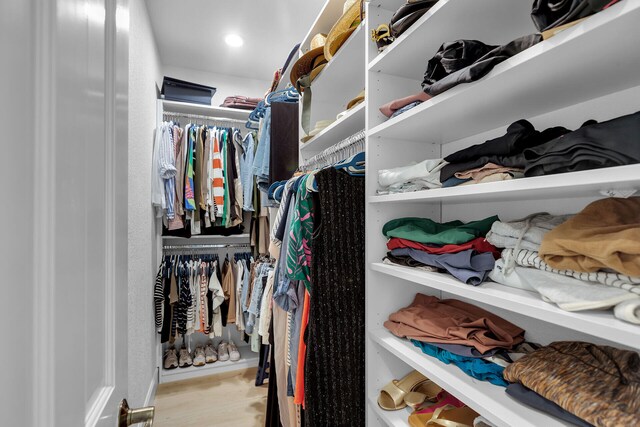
{"x":229,"y":399}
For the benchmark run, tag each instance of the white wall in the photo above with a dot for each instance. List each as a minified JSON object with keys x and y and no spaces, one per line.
{"x":225,"y":85}
{"x":144,"y":74}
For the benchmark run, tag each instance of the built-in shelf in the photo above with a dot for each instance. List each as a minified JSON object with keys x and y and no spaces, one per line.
{"x":596,"y":183}
{"x":601,"y":324}
{"x":347,"y":125}
{"x":487,"y":399}
{"x":248,"y":359}
{"x":407,"y":56}
{"x":201,"y":238}
{"x":343,"y":77}
{"x":551,"y":75}
{"x":205,"y":110}
{"x":391,"y":418}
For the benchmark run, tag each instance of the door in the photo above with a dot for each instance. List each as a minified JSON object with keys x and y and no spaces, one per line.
{"x":64,"y":103}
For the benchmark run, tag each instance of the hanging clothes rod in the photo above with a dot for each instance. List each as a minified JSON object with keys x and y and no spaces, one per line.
{"x":206,"y":246}
{"x":349,"y":146}
{"x":201,"y":117}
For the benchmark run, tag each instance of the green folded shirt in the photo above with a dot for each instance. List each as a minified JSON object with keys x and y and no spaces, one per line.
{"x":424,"y":230}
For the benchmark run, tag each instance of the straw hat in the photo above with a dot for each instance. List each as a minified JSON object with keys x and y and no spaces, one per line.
{"x":311,"y":62}
{"x":355,"y":101}
{"x":348,"y":22}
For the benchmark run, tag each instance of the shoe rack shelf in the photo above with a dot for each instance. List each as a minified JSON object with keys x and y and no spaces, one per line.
{"x":498,"y":406}
{"x":248,"y":359}
{"x":585,"y":72}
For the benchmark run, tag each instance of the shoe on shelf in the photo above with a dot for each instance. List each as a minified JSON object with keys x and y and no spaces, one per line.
{"x":210,"y":354}
{"x":223,"y":351}
{"x":170,"y":358}
{"x":185,"y":358}
{"x":198,"y":357}
{"x":234,"y":354}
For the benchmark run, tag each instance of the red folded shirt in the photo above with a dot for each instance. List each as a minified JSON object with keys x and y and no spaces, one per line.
{"x":479,"y":244}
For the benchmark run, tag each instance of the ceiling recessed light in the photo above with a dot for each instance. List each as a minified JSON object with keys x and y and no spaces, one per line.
{"x":234,"y":40}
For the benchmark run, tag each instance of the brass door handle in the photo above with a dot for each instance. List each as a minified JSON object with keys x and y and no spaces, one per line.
{"x":128,"y":416}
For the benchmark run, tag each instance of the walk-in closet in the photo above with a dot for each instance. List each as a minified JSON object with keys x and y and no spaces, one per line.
{"x":321,"y":213}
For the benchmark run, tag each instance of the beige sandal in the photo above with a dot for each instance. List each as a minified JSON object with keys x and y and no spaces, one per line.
{"x":447,"y":416}
{"x":411,"y":390}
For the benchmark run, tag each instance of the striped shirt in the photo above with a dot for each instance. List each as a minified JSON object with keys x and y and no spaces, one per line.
{"x":217,"y":175}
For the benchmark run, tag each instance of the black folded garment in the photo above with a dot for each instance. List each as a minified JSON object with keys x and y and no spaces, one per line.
{"x":462,"y":55}
{"x":452,"y":57}
{"x":612,"y":143}
{"x":408,"y":14}
{"x":505,"y":150}
{"x":547,"y":14}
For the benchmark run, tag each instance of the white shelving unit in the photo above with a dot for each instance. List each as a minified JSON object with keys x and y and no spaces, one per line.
{"x":341,"y":80}
{"x":248,"y":358}
{"x":586,"y":72}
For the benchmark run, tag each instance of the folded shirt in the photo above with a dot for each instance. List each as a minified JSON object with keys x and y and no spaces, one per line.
{"x":450,"y":321}
{"x":526,"y":233}
{"x":526,"y":258}
{"x":598,"y":384}
{"x":472,"y":366}
{"x":407,"y":261}
{"x":425,"y":230}
{"x":391,"y":107}
{"x":612,"y":143}
{"x":405,"y":109}
{"x":605,"y":234}
{"x":427,"y":171}
{"x":467,"y":266}
{"x":489,"y":169}
{"x":479,"y":244}
{"x":496,"y":177}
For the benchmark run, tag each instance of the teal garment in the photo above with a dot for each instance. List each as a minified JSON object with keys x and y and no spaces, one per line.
{"x":474,"y":367}
{"x":424,"y":230}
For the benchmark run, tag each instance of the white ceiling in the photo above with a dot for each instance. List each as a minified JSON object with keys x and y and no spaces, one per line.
{"x":190,"y":33}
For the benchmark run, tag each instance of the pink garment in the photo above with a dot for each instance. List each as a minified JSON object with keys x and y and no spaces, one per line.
{"x":444,"y":399}
{"x":478,"y":174}
{"x":391,"y":107}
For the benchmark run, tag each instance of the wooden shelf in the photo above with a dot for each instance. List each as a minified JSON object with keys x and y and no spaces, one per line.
{"x":407,"y":56}
{"x":487,"y":399}
{"x":596,"y":183}
{"x":206,"y":110}
{"x":349,"y":124}
{"x":248,"y":359}
{"x":553,"y":74}
{"x":595,"y":323}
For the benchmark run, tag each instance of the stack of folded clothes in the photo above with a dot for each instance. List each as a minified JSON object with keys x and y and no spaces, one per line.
{"x":498,"y":159}
{"x":413,"y":177}
{"x":477,"y":341}
{"x":455,"y":247}
{"x":582,"y":383}
{"x":582,"y":262}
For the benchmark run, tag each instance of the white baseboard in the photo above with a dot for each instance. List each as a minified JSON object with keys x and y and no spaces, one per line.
{"x":153,"y":386}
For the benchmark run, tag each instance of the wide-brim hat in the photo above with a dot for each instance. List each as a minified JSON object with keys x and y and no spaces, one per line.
{"x":311,"y":62}
{"x":319,"y":127}
{"x":342,"y":29}
{"x":355,"y":101}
